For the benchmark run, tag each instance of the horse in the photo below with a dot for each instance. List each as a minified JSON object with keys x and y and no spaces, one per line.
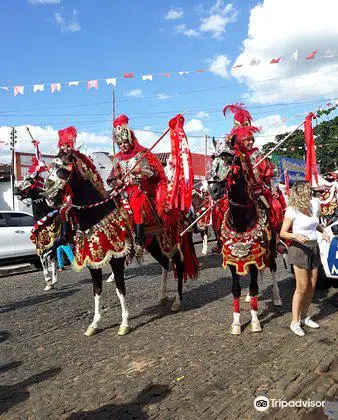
{"x":47,"y":227}
{"x":101,"y":232}
{"x":247,"y":242}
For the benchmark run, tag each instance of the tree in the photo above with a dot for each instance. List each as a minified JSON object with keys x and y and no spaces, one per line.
{"x":326,"y":140}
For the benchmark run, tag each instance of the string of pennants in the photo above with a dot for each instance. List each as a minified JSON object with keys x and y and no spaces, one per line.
{"x":94,"y":83}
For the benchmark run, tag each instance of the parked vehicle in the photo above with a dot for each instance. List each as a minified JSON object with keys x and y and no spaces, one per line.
{"x":15,"y":243}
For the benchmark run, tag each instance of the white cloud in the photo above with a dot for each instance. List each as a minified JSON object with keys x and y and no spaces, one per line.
{"x":163,"y":96}
{"x":67,"y":25}
{"x":220,"y":16}
{"x":270,"y":127}
{"x":277,"y":29}
{"x":195,"y":126}
{"x":175,"y":13}
{"x":202,"y":114}
{"x":182,"y":29}
{"x":219,"y":65}
{"x":43,"y":2}
{"x":135,"y":93}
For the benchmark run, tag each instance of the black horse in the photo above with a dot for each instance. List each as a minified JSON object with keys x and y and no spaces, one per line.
{"x":31,"y":187}
{"x":96,"y":218}
{"x":246,"y":236}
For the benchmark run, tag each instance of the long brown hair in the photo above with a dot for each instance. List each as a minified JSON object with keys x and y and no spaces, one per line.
{"x":300,"y":197}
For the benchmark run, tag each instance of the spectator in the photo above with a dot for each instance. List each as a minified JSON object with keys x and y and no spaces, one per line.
{"x":301,"y":218}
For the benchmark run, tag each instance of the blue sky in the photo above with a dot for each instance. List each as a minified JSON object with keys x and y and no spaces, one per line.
{"x":46,"y":41}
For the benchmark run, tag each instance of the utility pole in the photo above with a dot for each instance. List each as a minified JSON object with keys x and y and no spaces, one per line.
{"x":113,"y":118}
{"x":12,"y":143}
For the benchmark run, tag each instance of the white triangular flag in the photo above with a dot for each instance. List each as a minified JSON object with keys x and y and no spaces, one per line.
{"x":55,"y":86}
{"x":294,"y":56}
{"x":329,"y":53}
{"x":76,"y":83}
{"x":254,"y":62}
{"x":181,"y":73}
{"x":111,"y":81}
{"x":147,"y":77}
{"x":38,"y":87}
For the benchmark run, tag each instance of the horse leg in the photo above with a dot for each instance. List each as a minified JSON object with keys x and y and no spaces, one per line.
{"x":96,"y":274}
{"x":117,"y":265}
{"x":179,"y":265}
{"x":255,"y":324}
{"x":235,"y":328}
{"x":46,"y":273}
{"x":53,"y":270}
{"x":205,"y":242}
{"x":277,"y":301}
{"x":111,"y":278}
{"x":155,"y":251}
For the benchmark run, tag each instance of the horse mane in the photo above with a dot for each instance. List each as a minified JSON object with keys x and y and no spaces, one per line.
{"x":88,"y":171}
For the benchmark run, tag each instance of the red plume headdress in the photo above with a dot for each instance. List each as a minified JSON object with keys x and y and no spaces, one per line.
{"x":241,"y":115}
{"x":243,"y":133}
{"x":67,"y":137}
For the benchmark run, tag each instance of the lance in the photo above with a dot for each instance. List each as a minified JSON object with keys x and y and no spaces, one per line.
{"x":198,"y":218}
{"x":33,"y":140}
{"x":277,"y":145}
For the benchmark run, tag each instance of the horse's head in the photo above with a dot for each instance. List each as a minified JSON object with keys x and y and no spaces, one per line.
{"x":55,"y":183}
{"x":30,"y":187}
{"x":222,"y":165}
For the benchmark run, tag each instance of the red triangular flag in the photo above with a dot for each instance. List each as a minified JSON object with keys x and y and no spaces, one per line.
{"x":275,"y":60}
{"x":311,"y":55}
{"x":128,"y":75}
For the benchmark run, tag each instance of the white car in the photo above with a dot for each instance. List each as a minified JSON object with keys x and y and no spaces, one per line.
{"x":328,"y":272}
{"x":15,"y":243}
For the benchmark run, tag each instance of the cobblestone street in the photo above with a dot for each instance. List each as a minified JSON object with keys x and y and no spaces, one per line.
{"x":171,"y":366}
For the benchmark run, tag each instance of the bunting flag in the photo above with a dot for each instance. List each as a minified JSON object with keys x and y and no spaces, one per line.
{"x":311,"y":55}
{"x":92,"y":84}
{"x":19,"y":89}
{"x":149,"y":77}
{"x":294,"y":56}
{"x":310,"y":160}
{"x":55,"y":87}
{"x":37,"y":88}
{"x":111,"y":81}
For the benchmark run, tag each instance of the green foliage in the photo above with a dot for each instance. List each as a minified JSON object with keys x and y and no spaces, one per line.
{"x":326,"y":134}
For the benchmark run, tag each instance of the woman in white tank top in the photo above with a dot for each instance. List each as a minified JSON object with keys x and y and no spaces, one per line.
{"x":302,"y":220}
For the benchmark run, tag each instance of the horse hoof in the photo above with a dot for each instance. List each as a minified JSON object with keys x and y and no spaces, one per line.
{"x":248,"y":298}
{"x":48,"y":287}
{"x":90,"y":331}
{"x":164,"y":301}
{"x":277,"y":302}
{"x":123,"y":330}
{"x":176,"y":306}
{"x":255,"y":326}
{"x":235,"y":329}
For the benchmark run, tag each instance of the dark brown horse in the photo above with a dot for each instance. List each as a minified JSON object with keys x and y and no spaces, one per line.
{"x":101,"y":233}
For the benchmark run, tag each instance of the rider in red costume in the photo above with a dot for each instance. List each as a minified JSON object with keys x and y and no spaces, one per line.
{"x":145,"y":187}
{"x":262,"y":184}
